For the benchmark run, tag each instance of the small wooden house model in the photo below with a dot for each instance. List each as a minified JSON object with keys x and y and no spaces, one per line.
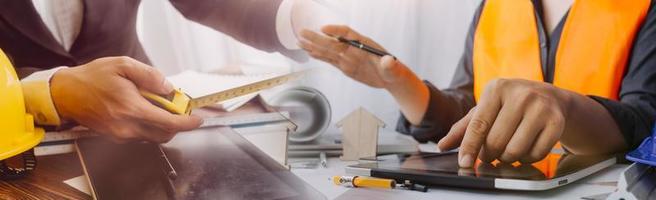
{"x":359,"y":134}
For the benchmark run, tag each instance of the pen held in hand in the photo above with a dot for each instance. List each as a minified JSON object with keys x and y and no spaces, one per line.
{"x":360,"y":45}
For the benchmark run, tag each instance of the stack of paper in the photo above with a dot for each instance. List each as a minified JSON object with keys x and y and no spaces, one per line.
{"x":197,"y":84}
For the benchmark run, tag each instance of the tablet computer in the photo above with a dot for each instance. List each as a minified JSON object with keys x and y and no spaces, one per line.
{"x":555,"y":170}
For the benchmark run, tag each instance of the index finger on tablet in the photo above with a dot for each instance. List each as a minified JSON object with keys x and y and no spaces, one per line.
{"x":478,"y":128}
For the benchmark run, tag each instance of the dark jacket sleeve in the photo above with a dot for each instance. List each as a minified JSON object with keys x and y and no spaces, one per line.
{"x":251,"y":22}
{"x":634,"y":112}
{"x":447,"y":106}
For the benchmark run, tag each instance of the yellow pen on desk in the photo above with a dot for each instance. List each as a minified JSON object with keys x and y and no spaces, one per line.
{"x":359,"y":181}
{"x":367,"y":182}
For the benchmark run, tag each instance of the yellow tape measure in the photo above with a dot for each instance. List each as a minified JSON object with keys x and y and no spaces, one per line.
{"x":180,"y":103}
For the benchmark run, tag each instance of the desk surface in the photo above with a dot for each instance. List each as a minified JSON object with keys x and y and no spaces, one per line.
{"x":46,"y":181}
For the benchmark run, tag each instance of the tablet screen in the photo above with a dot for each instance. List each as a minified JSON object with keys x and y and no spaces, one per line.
{"x":553,"y":166}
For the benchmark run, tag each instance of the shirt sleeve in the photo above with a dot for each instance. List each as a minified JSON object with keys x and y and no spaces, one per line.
{"x":295,"y":15}
{"x":252,"y":22}
{"x":38,"y":101}
{"x":635,"y":111}
{"x":446,"y":107}
{"x":284,"y":25}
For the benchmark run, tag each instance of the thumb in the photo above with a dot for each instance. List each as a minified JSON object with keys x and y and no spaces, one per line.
{"x":390,"y":69}
{"x":453,"y":139}
{"x":185,"y":123}
{"x":146,"y":77}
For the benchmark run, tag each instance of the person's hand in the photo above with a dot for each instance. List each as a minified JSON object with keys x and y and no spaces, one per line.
{"x":515,"y":120}
{"x":386,"y":72}
{"x":103,"y":95}
{"x":360,"y":65}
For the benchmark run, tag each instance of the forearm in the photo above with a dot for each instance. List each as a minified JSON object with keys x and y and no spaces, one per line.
{"x":590,"y":128}
{"x":252,"y":22}
{"x":412,"y":95}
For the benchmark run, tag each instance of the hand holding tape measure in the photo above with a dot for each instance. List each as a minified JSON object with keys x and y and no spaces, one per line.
{"x":180,"y":103}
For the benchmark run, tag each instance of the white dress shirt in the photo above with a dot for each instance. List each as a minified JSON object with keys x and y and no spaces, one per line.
{"x":62,"y":17}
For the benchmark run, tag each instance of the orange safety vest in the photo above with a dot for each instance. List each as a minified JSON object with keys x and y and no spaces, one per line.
{"x":592,"y":53}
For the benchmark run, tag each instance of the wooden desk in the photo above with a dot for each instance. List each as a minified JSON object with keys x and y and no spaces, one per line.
{"x":46,"y":181}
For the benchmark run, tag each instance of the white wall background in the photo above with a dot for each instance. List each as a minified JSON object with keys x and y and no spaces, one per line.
{"x":427,"y":35}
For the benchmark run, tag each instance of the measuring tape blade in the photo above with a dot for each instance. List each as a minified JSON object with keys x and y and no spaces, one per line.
{"x":54,"y":149}
{"x":243,"y":90}
{"x":66,"y":135}
{"x":180,"y":103}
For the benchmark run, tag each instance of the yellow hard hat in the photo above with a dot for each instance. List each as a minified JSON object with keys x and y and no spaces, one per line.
{"x":17,"y":131}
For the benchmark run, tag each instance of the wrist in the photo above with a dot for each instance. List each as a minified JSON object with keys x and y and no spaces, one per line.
{"x":412,"y":95}
{"x":58,"y":85}
{"x":406,"y":82}
{"x":567,"y":100}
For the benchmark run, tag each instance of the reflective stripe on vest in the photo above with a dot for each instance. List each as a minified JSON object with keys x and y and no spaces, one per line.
{"x":592,"y":53}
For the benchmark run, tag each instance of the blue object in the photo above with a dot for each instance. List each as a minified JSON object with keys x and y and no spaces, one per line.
{"x":646,"y":152}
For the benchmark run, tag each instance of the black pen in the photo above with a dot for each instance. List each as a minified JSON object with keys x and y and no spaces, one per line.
{"x":359,"y":45}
